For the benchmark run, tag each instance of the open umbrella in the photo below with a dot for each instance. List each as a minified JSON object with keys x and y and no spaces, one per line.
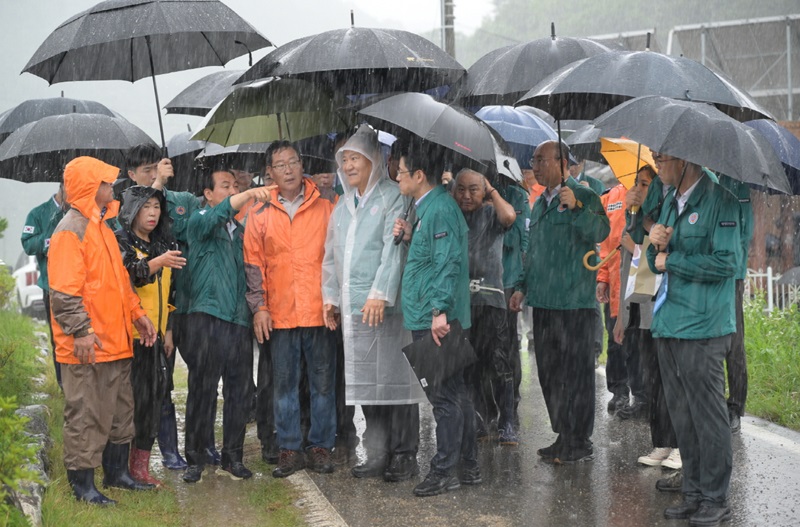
{"x":522,"y":131}
{"x":272,"y":110}
{"x":199,"y":97}
{"x":250,"y":157}
{"x":625,"y":157}
{"x":133,"y":39}
{"x":785,"y":144}
{"x":446,"y":125}
{"x":360,"y":60}
{"x":38,"y":151}
{"x":585,"y":143}
{"x":182,"y":151}
{"x":698,"y":133}
{"x":502,"y":76}
{"x":587,"y":88}
{"x":35,"y":109}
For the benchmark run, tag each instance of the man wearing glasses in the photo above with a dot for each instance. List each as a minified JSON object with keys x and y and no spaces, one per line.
{"x":283,"y":250}
{"x":567,"y":221}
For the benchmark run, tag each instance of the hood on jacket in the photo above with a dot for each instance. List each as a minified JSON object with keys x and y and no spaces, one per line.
{"x":82,"y":178}
{"x":365,"y":142}
{"x":133,"y":199}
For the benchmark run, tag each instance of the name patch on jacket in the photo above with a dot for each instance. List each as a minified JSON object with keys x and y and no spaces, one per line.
{"x":439,"y":235}
{"x":614,"y":206}
{"x":727,"y":224}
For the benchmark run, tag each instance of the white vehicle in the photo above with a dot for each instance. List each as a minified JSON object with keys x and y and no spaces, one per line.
{"x":29,"y":294}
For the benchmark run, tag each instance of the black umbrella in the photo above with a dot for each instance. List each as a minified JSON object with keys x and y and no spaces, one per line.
{"x":249,"y":157}
{"x":182,"y":151}
{"x":585,"y":89}
{"x":199,"y":97}
{"x":133,"y":39}
{"x":585,"y":143}
{"x":35,"y":109}
{"x":446,"y":125}
{"x":502,"y":76}
{"x":698,"y":133}
{"x":360,"y":60}
{"x":38,"y":151}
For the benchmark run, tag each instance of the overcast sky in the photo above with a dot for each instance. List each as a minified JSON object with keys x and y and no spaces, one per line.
{"x":25,"y":24}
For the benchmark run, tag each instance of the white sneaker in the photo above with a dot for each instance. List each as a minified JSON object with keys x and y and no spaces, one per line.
{"x":656,"y":457}
{"x":673,"y":461}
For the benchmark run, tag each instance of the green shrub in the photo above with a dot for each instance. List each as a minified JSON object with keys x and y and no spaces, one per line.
{"x":16,"y":455}
{"x":772,"y":363}
{"x":6,"y":287}
{"x":17,"y":355}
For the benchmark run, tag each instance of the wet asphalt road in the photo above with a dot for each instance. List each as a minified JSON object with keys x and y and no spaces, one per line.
{"x":612,"y":490}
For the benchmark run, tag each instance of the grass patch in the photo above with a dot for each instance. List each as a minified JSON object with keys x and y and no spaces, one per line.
{"x":18,"y":356}
{"x":772,"y":363}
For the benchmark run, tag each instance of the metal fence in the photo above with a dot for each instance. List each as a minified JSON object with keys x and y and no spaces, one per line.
{"x":777,"y":295}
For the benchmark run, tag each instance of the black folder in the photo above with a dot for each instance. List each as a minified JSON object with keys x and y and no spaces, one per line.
{"x":433,"y":364}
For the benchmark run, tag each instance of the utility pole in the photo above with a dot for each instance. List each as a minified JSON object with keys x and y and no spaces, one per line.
{"x":448,"y":28}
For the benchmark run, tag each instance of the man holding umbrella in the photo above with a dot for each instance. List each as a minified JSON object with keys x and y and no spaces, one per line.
{"x":696,"y":244}
{"x":568,"y":220}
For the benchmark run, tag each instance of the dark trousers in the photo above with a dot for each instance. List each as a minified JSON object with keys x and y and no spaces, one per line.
{"x":46,"y":299}
{"x":565,"y":362}
{"x":616,"y":368}
{"x":149,"y":388}
{"x":391,"y":429}
{"x":346,"y":435}
{"x":736,"y":360}
{"x":694,"y":386}
{"x":455,"y":422}
{"x":514,"y":351}
{"x":317,"y":347}
{"x":493,"y":374}
{"x":646,"y":385}
{"x":597,"y":331}
{"x":217,"y":349}
{"x":265,"y":414}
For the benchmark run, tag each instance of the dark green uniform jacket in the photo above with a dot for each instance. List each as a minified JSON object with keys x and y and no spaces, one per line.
{"x":39,"y":226}
{"x":742,"y":192}
{"x":180,"y":207}
{"x":437,"y":270}
{"x":701,"y":266}
{"x":515,"y":242}
{"x":554,"y":275}
{"x":594,"y":183}
{"x":216,"y":265}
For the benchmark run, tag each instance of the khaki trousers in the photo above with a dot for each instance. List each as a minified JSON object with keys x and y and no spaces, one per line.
{"x":98,"y":408}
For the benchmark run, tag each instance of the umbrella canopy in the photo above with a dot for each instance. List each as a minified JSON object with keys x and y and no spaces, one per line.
{"x":182,"y":151}
{"x":360,"y":60}
{"x":133,"y":39}
{"x":785,"y":144}
{"x":516,"y":126}
{"x":446,"y":125}
{"x":698,"y":133}
{"x":585,"y":89}
{"x":200,"y":96}
{"x":272,"y":110}
{"x":250,"y":157}
{"x":625,"y":158}
{"x":38,"y":151}
{"x":585,"y":143}
{"x":35,"y":109}
{"x":502,"y":76}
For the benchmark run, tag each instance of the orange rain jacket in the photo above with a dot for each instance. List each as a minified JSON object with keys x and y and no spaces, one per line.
{"x":614,"y":204}
{"x":283,"y":259}
{"x":89,"y":286}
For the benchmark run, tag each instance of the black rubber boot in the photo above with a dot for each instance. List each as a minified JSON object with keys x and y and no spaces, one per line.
{"x":115,"y":467}
{"x":82,"y":483}
{"x":168,"y":438}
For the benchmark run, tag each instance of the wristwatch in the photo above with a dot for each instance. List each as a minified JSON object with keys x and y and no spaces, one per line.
{"x":436,"y":312}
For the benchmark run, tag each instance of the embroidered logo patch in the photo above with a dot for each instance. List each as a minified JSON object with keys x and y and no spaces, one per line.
{"x":28,"y":229}
{"x":561,"y":208}
{"x":203,"y":211}
{"x":180,"y":211}
{"x":439,"y":235}
{"x":374,"y":210}
{"x":727,"y":224}
{"x":47,"y":243}
{"x":693,"y":217}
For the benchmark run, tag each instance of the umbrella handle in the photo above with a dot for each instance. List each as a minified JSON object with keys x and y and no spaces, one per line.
{"x":601,"y":263}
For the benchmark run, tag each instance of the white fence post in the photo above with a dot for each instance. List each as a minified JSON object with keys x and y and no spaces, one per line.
{"x":770,"y":294}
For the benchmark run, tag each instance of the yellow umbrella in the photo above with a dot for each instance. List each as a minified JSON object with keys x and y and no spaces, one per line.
{"x":625,"y":157}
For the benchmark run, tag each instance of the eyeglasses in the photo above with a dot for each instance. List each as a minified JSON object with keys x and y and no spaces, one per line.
{"x":658,"y":157}
{"x":539,"y":160}
{"x":403,"y":172}
{"x":281,"y":167}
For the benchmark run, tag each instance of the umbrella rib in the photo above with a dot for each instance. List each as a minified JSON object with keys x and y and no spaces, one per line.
{"x":221,"y":62}
{"x":55,"y":71}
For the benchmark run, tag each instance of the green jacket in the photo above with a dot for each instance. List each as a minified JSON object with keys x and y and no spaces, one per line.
{"x":515,"y":242}
{"x":180,"y":207}
{"x":554,"y":275}
{"x":742,"y":191}
{"x":594,"y":183}
{"x":436,"y":274}
{"x":216,"y":265}
{"x":701,"y":266}
{"x":39,"y":227}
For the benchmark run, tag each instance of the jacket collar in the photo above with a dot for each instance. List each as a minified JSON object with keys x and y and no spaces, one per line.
{"x":434,"y":192}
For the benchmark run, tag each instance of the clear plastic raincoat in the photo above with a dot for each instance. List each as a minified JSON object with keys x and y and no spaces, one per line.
{"x":362,"y":262}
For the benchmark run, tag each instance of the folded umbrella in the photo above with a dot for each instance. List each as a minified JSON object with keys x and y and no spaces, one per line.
{"x":698,"y":133}
{"x":38,"y":151}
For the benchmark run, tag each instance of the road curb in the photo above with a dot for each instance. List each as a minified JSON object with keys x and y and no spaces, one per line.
{"x":318,"y":511}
